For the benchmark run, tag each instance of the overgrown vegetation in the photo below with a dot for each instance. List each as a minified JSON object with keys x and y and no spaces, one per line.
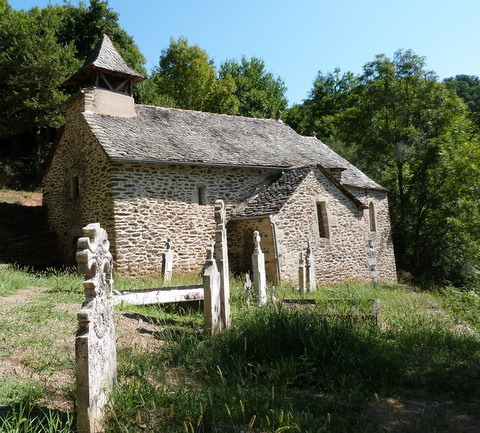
{"x":295,"y":369}
{"x":277,"y":369}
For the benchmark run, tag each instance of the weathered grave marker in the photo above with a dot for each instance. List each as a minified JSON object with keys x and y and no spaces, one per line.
{"x":372,"y":262}
{"x":221,"y":255}
{"x":95,"y":350}
{"x":167,"y":262}
{"x":248,"y":288}
{"x":212,"y":316}
{"x":311,"y":281}
{"x":259,"y":275}
{"x":301,"y":274}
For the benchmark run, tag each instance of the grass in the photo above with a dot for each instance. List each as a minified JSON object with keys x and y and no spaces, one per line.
{"x":282,"y":369}
{"x":277,"y":368}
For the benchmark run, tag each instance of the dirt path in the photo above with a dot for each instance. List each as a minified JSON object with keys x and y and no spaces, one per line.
{"x":59,"y":384}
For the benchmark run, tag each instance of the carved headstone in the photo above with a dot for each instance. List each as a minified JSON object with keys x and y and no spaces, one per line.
{"x":95,"y":350}
{"x":259,"y":275}
{"x":311,"y":281}
{"x":301,"y":274}
{"x":221,"y":255}
{"x":212,"y":318}
{"x":167,"y":265}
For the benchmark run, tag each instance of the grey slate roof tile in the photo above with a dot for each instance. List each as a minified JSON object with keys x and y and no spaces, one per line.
{"x":169,"y":135}
{"x":270,"y":200}
{"x":106,"y":57}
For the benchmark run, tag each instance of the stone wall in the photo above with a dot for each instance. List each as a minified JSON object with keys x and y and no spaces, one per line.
{"x":155,"y":202}
{"x":72,"y":204}
{"x":343,"y":255}
{"x":240,"y":245}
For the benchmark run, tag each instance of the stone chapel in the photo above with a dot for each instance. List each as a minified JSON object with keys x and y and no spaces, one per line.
{"x":149,"y":174}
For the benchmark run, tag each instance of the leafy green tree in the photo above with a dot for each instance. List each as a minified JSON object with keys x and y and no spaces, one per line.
{"x":332,"y":93}
{"x":30,"y":95}
{"x":468,"y":88}
{"x":39,"y":50}
{"x":187,"y":78}
{"x":405,"y":127}
{"x":259,"y":92}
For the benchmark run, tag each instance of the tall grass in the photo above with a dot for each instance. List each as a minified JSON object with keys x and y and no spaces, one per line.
{"x":26,"y":419}
{"x":295,"y":369}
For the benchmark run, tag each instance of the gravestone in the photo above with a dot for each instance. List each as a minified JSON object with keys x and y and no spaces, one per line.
{"x":95,"y":349}
{"x":372,"y":262}
{"x":259,"y":275}
{"x":212,"y":316}
{"x":167,"y":263}
{"x":301,"y":274}
{"x":311,"y":281}
{"x":221,"y":255}
{"x":248,"y":288}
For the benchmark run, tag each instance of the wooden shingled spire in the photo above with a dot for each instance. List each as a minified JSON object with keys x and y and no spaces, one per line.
{"x":105,"y":68}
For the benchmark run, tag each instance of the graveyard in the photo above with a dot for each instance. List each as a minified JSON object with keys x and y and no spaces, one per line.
{"x":228,"y":353}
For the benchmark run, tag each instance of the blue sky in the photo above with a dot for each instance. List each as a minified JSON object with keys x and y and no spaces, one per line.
{"x":298,"y":38}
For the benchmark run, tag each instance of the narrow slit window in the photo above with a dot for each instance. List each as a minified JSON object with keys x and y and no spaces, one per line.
{"x":202,"y":195}
{"x":371,"y":217}
{"x":75,"y":187}
{"x":322,"y":216}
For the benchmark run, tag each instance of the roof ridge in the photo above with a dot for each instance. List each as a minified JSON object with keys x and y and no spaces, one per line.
{"x":212,"y":113}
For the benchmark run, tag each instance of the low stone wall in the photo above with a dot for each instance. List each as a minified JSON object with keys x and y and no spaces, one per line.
{"x":19,"y":220}
{"x":39,"y":249}
{"x":24,"y":236}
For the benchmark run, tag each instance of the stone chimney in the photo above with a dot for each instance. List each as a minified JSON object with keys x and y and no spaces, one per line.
{"x":104,"y":84}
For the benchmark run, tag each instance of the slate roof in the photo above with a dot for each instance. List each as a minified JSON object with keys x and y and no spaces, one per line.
{"x":105,"y":57}
{"x":270,"y":200}
{"x":169,"y":135}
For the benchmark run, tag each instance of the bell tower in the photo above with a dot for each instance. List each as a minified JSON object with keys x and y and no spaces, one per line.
{"x":105,"y":83}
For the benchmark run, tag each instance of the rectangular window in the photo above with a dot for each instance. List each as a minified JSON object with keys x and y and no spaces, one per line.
{"x":202,"y":195}
{"x":371,"y":217}
{"x":322,"y":216}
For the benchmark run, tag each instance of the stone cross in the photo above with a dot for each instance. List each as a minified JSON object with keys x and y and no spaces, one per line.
{"x":95,"y":349}
{"x":221,"y":255}
{"x":259,"y":275}
{"x":167,"y":264}
{"x":301,"y":274}
{"x":212,"y":317}
{"x":311,"y":281}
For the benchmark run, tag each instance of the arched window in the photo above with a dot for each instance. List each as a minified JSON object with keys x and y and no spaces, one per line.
{"x":371,"y":217}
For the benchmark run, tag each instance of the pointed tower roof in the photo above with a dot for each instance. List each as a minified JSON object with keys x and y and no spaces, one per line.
{"x":105,"y":58}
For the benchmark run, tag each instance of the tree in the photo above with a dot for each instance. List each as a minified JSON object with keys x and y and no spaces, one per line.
{"x":468,"y":88}
{"x":187,"y":78}
{"x":259,"y":92}
{"x":405,"y":127}
{"x":30,"y":95}
{"x":332,"y":93}
{"x":39,"y":50}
